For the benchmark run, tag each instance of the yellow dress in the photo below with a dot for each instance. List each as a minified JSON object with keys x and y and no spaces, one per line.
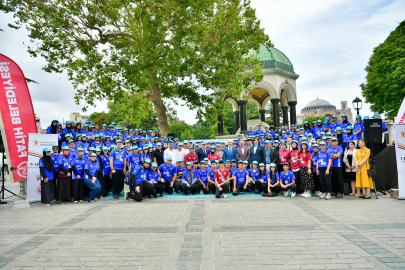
{"x":363,"y":180}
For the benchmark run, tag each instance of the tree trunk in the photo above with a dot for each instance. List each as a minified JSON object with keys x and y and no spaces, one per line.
{"x":160,"y":108}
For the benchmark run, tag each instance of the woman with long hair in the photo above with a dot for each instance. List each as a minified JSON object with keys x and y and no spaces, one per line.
{"x":273,"y":177}
{"x":46,"y":169}
{"x":349,"y":159}
{"x":59,"y":131}
{"x":284,"y":156}
{"x":77,"y":128}
{"x":106,"y":182}
{"x":52,"y":129}
{"x":363,"y":181}
{"x":306,"y":179}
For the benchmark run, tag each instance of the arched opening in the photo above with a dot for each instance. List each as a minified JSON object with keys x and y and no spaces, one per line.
{"x":229,"y":118}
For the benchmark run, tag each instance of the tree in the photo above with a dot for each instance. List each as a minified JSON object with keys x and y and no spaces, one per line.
{"x":186,"y":135}
{"x":160,"y":49}
{"x":97,"y":120}
{"x":252,"y":111}
{"x":228,"y":118}
{"x":310,"y":119}
{"x":102,"y":119}
{"x":385,"y":81}
{"x":178,"y":128}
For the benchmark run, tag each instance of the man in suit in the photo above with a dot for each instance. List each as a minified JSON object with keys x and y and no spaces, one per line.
{"x":229,"y":152}
{"x":202,"y":152}
{"x":257,"y":152}
{"x":243,"y":152}
{"x":271,"y":155}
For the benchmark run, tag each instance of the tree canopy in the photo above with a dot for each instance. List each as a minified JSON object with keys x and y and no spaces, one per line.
{"x":385,"y":81}
{"x":310,"y":119}
{"x":158,"y":48}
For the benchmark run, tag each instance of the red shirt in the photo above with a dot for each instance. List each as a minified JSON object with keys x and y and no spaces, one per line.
{"x":221,"y":178}
{"x":213,"y":156}
{"x":190,"y":158}
{"x":305,"y":157}
{"x":295,"y":163}
{"x":284,"y":156}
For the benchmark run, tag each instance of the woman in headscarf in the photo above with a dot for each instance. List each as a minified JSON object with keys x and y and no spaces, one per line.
{"x":52,"y":128}
{"x":59,"y":131}
{"x":46,"y":169}
{"x":77,"y":176}
{"x":68,"y":129}
{"x":64,"y":187}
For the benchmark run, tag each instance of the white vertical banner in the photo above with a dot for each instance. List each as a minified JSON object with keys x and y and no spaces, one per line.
{"x":37,"y":142}
{"x":399,"y":126}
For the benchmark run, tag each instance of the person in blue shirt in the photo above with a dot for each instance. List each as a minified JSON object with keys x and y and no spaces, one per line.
{"x":211,"y":174}
{"x":323,"y":170}
{"x":241,"y":180}
{"x":85,"y":143}
{"x":46,"y":170}
{"x":262,"y":179}
{"x":358,"y":128}
{"x":317,"y":186}
{"x":255,"y":184}
{"x":272,"y":179}
{"x":90,"y":178}
{"x":287,"y":181}
{"x":68,"y":137}
{"x":326,"y":126}
{"x":77,"y":165}
{"x":349,"y":137}
{"x":344,"y":123}
{"x":337,"y":173}
{"x":63,"y":186}
{"x":68,"y":129}
{"x":134,"y":159}
{"x":52,"y":129}
{"x":97,"y":141}
{"x":78,"y":139}
{"x":106,"y":180}
{"x":334,"y":124}
{"x":168,"y":172}
{"x":189,"y":180}
{"x":141,"y":187}
{"x":202,"y":181}
{"x":118,"y":165}
{"x":153,"y":176}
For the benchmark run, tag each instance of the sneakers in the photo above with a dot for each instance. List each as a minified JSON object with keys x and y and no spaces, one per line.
{"x":225,"y":195}
{"x":293,"y":194}
{"x":303,"y":194}
{"x":201,"y":192}
{"x":75,"y":202}
{"x":328,"y":197}
{"x":286,"y":193}
{"x":308,"y":195}
{"x":339,"y":195}
{"x":80,"y":201}
{"x":155,"y":196}
{"x":126,"y":195}
{"x":322,"y":196}
{"x":120,"y":195}
{"x":116,"y":196}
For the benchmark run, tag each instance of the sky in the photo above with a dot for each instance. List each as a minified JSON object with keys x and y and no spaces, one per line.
{"x":328,"y":42}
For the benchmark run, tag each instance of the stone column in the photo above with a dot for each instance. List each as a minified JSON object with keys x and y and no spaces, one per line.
{"x":262,"y":115}
{"x":293,"y":113}
{"x":285,"y":114}
{"x":220,"y":125}
{"x":242,"y":116}
{"x":276,"y":114}
{"x":237,"y":120}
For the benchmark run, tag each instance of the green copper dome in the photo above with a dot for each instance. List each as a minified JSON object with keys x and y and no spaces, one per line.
{"x":272,"y":58}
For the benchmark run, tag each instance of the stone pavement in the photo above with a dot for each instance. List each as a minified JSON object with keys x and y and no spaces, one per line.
{"x":206,"y":233}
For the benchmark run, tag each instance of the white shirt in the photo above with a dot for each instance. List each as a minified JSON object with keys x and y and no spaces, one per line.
{"x":254,"y":149}
{"x":180,"y":155}
{"x":243,"y":150}
{"x":171,"y":153}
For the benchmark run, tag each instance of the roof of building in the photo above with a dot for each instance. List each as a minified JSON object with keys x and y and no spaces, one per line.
{"x":318,"y":104}
{"x":271,"y":57}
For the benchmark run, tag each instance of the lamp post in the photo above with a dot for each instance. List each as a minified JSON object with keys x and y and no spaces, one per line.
{"x":357,"y":104}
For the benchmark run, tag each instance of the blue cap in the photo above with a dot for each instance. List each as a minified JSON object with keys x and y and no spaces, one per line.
{"x":191,"y":147}
{"x":338,"y":128}
{"x":135,"y":147}
{"x":326,"y":119}
{"x":68,"y":135}
{"x":94,"y":155}
{"x":188,"y":163}
{"x":103,"y":125}
{"x":334,"y":116}
{"x":322,"y":143}
{"x":47,"y":149}
{"x":228,"y":161}
{"x":105,"y":148}
{"x":358,"y":116}
{"x":205,"y":159}
{"x":85,"y":125}
{"x":344,"y":115}
{"x":78,"y":135}
{"x":273,"y":165}
{"x":309,"y":134}
{"x":254,"y":162}
{"x":324,"y":138}
{"x":91,"y":148}
{"x":154,"y":164}
{"x":366,"y":117}
{"x":169,"y":158}
{"x":259,"y":125}
{"x":349,"y":127}
{"x":80,"y":149}
{"x":315,"y":145}
{"x":97,"y":136}
{"x":84,"y":135}
{"x":319,"y":121}
{"x":97,"y":149}
{"x":376,"y":115}
{"x":118,"y":141}
{"x":65,"y":148}
{"x":286,"y":163}
{"x":147,"y":160}
{"x":261,"y":165}
{"x":71,"y":141}
{"x":334,"y":139}
{"x":304,"y":142}
{"x":239,"y":161}
{"x":213,"y":161}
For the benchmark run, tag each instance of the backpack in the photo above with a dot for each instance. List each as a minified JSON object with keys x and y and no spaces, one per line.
{"x":129,"y":177}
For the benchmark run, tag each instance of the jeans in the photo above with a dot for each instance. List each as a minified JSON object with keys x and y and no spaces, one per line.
{"x":95,"y":189}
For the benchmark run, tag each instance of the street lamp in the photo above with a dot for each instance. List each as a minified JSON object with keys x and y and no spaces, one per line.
{"x":357,"y":104}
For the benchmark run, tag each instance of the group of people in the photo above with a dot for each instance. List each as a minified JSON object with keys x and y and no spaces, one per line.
{"x":301,"y":160}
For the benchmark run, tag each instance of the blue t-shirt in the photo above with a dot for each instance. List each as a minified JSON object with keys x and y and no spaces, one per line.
{"x":314,"y":161}
{"x":264,"y":177}
{"x":79,"y":165}
{"x":98,"y":144}
{"x":203,"y":175}
{"x":241,"y":176}
{"x":337,"y":162}
{"x":287,"y":178}
{"x":49,"y":174}
{"x":167,"y":171}
{"x":92,"y":167}
{"x":153,"y":176}
{"x":186,"y":178}
{"x":358,"y":127}
{"x":254,"y":175}
{"x":270,"y":175}
{"x":142,"y":174}
{"x":118,"y":159}
{"x":64,"y":161}
{"x":55,"y":160}
{"x":134,"y":160}
{"x":106,"y":164}
{"x":323,"y":158}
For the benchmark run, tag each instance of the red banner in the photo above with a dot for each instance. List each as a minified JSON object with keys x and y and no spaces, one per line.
{"x":17,"y":117}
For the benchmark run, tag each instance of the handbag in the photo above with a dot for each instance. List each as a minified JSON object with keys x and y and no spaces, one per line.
{"x":372,"y":172}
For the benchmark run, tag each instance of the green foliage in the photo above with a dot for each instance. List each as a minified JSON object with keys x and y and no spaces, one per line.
{"x":102,"y":119}
{"x":214,"y":131}
{"x":161,"y":49}
{"x":178,"y":128}
{"x":228,"y":118}
{"x":252,"y":111}
{"x":310,"y":119}
{"x":186,"y":135}
{"x":385,"y":81}
{"x":202,"y":130}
